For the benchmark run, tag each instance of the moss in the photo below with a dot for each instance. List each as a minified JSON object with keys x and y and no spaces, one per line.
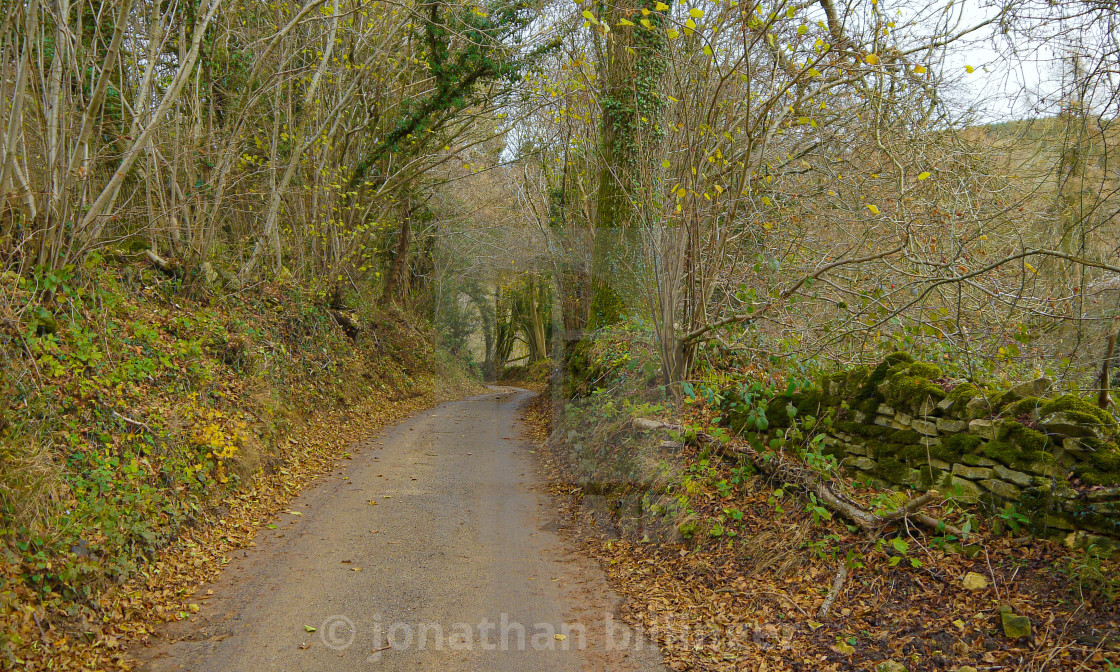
{"x":870,"y":389}
{"x":1014,"y":455}
{"x":891,"y":469}
{"x":808,"y":402}
{"x":1029,"y":440}
{"x":1101,"y":467}
{"x":910,"y":392}
{"x":777,"y":413}
{"x":925,"y":370}
{"x":869,"y":407}
{"x":955,"y":445}
{"x":1079,"y":409}
{"x":962,"y":393}
{"x":1023,"y":406}
{"x":898,"y":357}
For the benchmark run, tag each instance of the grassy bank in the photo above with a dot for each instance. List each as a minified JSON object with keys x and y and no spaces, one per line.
{"x":150,"y":425}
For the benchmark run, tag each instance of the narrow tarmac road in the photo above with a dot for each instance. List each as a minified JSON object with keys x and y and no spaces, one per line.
{"x":435,"y":548}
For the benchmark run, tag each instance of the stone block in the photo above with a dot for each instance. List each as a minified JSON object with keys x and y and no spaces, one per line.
{"x":950,"y":426}
{"x":1063,"y":424}
{"x":1011,"y":476}
{"x":1056,"y":522}
{"x":1046,"y":469}
{"x":924,"y":427}
{"x":1001,"y":488}
{"x":885,"y":410}
{"x":1015,"y":626}
{"x":861,"y":463}
{"x":963,"y":489}
{"x":929,"y":441}
{"x":970,"y":472}
{"x":884,"y":420}
{"x":985,"y":429}
{"x":855,"y":449}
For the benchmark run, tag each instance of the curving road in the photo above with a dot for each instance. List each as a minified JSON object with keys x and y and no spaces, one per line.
{"x":438,"y":552}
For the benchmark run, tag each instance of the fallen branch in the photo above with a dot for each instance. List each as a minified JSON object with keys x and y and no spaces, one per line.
{"x":134,"y":423}
{"x":833,"y":592}
{"x":788,"y":471}
{"x":164,"y":266}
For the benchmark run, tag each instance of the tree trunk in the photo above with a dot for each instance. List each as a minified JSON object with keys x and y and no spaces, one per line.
{"x":635,"y":63}
{"x":396,"y":284}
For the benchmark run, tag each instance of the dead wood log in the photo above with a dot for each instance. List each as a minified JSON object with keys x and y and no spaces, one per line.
{"x":349,"y":325}
{"x":833,"y":592}
{"x":788,"y":471}
{"x":164,"y":266}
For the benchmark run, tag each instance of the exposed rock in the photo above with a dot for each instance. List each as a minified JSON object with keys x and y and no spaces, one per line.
{"x":974,"y":581}
{"x":890,"y":666}
{"x":1034,"y":388}
{"x":970,"y":472}
{"x":997,"y":487}
{"x":940,"y":464}
{"x":884,"y":420}
{"x":1017,"y":477}
{"x":855,"y":449}
{"x":928,"y":406}
{"x":977,"y":407}
{"x":929,"y":441}
{"x":885,"y":410}
{"x":1014,"y":626}
{"x":208,"y":272}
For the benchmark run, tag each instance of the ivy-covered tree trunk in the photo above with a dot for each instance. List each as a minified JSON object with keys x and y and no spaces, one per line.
{"x":634,"y":62}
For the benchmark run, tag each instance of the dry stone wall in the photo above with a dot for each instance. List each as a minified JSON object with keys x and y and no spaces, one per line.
{"x":903,"y":423}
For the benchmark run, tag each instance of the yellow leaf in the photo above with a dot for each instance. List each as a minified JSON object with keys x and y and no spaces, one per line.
{"x":665,"y":163}
{"x":558,"y":637}
{"x":873,"y":208}
{"x":646,"y":23}
{"x":707,"y":50}
{"x":672,"y":33}
{"x":695,"y":13}
{"x":924,"y":175}
{"x":872,"y":59}
{"x":921,"y":70}
{"x":969,"y":69}
{"x":661,"y":7}
{"x":624,"y":22}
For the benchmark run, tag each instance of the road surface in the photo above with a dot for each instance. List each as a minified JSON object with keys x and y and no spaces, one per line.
{"x":438,"y":552}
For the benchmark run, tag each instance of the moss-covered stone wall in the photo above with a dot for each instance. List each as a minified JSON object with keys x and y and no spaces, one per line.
{"x":905,"y":424}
